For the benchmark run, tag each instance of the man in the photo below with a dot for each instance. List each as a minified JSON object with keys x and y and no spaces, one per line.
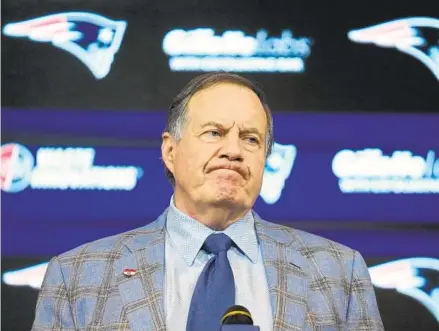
{"x":209,"y":250}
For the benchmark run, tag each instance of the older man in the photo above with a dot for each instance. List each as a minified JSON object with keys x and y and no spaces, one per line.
{"x":209,"y":250}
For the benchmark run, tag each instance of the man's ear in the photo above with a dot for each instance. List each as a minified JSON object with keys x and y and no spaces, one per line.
{"x":168,"y":150}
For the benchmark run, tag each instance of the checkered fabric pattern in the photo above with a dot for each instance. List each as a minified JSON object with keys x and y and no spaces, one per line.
{"x":314,"y":283}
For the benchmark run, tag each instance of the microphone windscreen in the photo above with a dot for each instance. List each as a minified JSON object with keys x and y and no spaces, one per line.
{"x":237,"y":315}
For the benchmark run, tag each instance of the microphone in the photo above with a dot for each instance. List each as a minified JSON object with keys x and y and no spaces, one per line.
{"x":237,"y":318}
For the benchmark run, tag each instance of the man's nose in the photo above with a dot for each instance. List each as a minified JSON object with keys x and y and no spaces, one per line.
{"x":232,"y":148}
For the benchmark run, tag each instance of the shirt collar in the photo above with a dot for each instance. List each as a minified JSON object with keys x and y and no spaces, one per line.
{"x":188,"y":235}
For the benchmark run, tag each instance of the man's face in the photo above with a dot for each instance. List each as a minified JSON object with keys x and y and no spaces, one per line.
{"x":221,"y":155}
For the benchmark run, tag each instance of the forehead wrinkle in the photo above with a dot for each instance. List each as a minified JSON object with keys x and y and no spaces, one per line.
{"x":250,"y":129}
{"x":242,"y":128}
{"x":218,"y":124}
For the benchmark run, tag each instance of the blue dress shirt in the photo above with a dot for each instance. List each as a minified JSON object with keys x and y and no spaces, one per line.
{"x":184,"y":262}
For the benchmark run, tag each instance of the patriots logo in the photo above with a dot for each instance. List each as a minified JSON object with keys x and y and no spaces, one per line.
{"x":91,"y":38}
{"x":32,"y":276}
{"x":415,"y":36}
{"x":416,"y":277}
{"x":277,"y":170}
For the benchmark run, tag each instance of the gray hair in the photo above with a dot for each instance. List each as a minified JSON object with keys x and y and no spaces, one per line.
{"x":176,"y":117}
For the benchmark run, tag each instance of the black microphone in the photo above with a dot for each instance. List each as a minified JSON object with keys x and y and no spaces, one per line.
{"x":237,"y":318}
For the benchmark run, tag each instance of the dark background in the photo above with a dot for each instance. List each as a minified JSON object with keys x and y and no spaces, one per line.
{"x":340,"y":75}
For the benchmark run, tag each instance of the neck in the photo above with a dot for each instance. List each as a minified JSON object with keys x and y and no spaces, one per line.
{"x":216,"y":216}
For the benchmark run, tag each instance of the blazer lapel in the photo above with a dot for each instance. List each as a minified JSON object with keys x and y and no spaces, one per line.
{"x":141,"y":288}
{"x":286,"y":275}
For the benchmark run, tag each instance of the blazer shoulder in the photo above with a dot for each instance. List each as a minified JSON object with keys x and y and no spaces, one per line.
{"x":313,"y":240}
{"x":317,"y":255}
{"x":108,"y":245}
{"x":306,"y":242}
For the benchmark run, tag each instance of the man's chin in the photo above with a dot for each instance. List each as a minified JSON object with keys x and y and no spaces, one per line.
{"x":227,"y":194}
{"x":229,"y":199}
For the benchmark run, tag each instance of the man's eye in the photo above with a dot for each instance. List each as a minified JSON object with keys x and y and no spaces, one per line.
{"x":214,"y":133}
{"x":253,"y":140}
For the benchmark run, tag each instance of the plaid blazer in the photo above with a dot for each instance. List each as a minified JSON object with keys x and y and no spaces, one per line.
{"x":314,"y":283}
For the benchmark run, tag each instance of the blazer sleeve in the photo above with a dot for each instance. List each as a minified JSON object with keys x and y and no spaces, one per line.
{"x":362,"y":312}
{"x":53,"y":310}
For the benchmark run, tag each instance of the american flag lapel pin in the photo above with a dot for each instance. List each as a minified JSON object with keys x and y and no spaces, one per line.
{"x":129,"y":272}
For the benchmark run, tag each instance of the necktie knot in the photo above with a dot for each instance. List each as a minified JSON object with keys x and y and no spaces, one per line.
{"x":217,"y":242}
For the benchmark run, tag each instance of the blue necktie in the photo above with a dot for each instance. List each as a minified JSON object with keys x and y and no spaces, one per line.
{"x":215,"y":289}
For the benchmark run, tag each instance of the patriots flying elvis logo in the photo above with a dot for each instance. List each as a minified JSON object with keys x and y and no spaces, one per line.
{"x":277,"y":170}
{"x":415,"y":36}
{"x":92,"y":38}
{"x":416,"y":277}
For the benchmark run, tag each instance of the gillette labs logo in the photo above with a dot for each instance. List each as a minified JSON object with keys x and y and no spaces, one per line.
{"x":91,"y":38}
{"x":61,"y":169}
{"x":202,"y":50}
{"x":415,"y":36}
{"x":370,"y":171}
